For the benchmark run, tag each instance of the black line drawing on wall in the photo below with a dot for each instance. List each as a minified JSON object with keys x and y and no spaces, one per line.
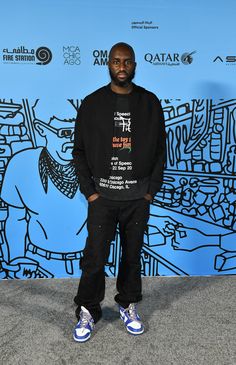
{"x":192,"y":225}
{"x":40,"y":237}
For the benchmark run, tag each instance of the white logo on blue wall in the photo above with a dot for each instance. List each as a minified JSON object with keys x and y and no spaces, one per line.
{"x":169,"y":59}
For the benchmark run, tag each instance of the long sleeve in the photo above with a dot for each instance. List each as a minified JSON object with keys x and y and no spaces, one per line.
{"x":87,"y":186}
{"x":156,"y":179}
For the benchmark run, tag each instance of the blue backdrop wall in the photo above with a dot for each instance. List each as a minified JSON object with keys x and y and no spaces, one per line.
{"x":52,"y":54}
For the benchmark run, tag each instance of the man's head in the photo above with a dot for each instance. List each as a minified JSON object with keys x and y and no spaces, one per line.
{"x":121,"y":64}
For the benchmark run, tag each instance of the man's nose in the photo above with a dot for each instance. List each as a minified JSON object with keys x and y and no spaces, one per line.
{"x":122,"y":66}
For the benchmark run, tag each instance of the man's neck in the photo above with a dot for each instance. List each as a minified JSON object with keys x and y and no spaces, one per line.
{"x":121,"y":89}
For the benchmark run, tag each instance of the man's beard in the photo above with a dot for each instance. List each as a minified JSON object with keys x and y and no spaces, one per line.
{"x":124,"y":83}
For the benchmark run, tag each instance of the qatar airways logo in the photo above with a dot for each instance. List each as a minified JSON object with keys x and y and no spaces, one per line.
{"x":169,"y":59}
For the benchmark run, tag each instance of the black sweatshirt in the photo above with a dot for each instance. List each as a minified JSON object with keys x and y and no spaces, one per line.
{"x":93,"y":135}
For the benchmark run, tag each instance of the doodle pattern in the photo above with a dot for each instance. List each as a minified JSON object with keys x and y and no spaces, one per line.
{"x":192,"y":225}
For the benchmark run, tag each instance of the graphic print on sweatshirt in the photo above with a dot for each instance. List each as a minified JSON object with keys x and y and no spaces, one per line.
{"x":121,"y":185}
{"x":121,"y":164}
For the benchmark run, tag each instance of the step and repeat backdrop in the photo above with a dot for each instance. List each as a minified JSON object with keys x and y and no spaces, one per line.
{"x":54,"y":53}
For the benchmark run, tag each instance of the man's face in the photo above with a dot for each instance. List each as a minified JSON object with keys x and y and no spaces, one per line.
{"x":121,"y":66}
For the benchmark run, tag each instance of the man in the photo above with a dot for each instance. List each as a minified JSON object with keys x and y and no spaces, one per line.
{"x":119,"y":150}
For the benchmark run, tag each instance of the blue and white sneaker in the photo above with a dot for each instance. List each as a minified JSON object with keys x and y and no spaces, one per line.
{"x":131,"y":319}
{"x":84,"y":327}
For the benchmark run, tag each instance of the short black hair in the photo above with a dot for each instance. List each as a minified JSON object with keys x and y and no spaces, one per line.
{"x":122,"y":44}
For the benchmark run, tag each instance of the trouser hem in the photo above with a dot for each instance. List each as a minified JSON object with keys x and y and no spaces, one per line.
{"x":96,"y":314}
{"x":124,"y":303}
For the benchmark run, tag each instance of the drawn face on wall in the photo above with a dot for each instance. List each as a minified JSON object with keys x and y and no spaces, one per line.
{"x":59,"y":137}
{"x":55,"y":122}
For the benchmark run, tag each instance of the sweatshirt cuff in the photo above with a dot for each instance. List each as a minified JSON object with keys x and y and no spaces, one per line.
{"x":87,"y":186}
{"x":88,"y":192}
{"x":154,"y":188}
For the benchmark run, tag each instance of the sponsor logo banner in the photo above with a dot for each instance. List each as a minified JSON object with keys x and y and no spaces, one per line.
{"x":71,"y":55}
{"x":169,"y":59}
{"x":227,"y":60}
{"x":144,"y":25}
{"x":100,"y":57}
{"x":38,"y":56}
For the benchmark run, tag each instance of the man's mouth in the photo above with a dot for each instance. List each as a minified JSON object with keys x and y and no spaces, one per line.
{"x":122,"y":75}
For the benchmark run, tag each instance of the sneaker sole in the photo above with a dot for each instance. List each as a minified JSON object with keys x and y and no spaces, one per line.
{"x":134,"y":333}
{"x":81,"y":340}
{"x":130,"y":331}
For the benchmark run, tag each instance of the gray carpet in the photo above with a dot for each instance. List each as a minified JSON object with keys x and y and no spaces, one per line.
{"x":187,"y":321}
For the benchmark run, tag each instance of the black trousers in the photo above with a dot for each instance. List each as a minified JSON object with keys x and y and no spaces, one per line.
{"x":103,"y":217}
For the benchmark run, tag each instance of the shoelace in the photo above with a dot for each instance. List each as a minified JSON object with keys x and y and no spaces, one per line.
{"x":132,"y":312}
{"x":85,"y":318}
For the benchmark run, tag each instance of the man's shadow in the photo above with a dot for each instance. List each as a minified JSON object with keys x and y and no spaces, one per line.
{"x":158,"y":294}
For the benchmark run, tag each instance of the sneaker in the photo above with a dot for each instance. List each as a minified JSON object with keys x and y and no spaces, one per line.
{"x":84,"y":327}
{"x":131,"y":319}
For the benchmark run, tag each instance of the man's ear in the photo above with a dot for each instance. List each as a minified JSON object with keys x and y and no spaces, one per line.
{"x":40,"y":129}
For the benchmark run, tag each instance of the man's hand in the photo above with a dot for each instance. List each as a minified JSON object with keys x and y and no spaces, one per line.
{"x":148,"y":197}
{"x":93,"y":197}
